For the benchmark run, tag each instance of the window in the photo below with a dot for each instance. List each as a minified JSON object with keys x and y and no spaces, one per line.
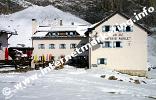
{"x":102,"y":61}
{"x":72,"y":46}
{"x":62,"y":46}
{"x":52,"y":34}
{"x":41,"y":46}
{"x":119,"y":28}
{"x":129,"y":28}
{"x":117,"y":44}
{"x":0,"y":46}
{"x":106,"y":28}
{"x":106,"y":44}
{"x":70,"y":33}
{"x":51,"y":46}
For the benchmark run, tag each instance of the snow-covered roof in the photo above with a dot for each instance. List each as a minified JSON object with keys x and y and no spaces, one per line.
{"x":6,"y":30}
{"x":43,"y":30}
{"x":82,"y":29}
{"x":57,"y":28}
{"x":40,"y":34}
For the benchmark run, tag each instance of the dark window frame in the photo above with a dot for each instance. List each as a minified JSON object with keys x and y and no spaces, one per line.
{"x":52,"y":34}
{"x":71,"y":33}
{"x":128,"y":28}
{"x":117,"y":29}
{"x":73,"y":47}
{"x":102,"y":61}
{"x":117,"y":44}
{"x":62,"y":46}
{"x":41,"y":46}
{"x":106,"y":28}
{"x":51,"y":47}
{"x":108,"y":44}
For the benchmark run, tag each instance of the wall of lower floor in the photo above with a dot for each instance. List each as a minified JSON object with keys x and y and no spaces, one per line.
{"x":2,"y":57}
{"x":141,"y":73}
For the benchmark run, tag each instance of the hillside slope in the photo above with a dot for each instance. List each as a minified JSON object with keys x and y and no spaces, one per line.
{"x":21,"y":22}
{"x":7,"y":6}
{"x":89,"y":10}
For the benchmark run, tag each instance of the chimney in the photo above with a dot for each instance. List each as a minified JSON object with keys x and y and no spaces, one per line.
{"x":72,"y":23}
{"x":34,"y":26}
{"x":61,"y":23}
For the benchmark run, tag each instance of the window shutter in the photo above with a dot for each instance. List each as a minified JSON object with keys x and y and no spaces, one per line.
{"x":114,"y":44}
{"x":112,"y":29}
{"x":105,"y":61}
{"x":60,"y":46}
{"x":102,"y":45}
{"x":121,"y":43}
{"x":111,"y":44}
{"x":98,"y":61}
{"x":48,"y":46}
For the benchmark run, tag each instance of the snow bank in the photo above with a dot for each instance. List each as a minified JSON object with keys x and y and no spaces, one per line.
{"x":78,"y":84}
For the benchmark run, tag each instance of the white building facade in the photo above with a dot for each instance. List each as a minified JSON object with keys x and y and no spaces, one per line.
{"x":124,"y":50}
{"x":54,"y":42}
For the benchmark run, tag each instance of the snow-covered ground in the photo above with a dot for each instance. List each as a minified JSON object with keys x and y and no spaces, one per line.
{"x":79,"y":84}
{"x":22,"y":22}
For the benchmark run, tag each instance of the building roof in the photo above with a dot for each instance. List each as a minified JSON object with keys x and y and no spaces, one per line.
{"x":7,"y":30}
{"x":111,"y":15}
{"x":40,"y":34}
{"x":42,"y":31}
{"x":56,"y":28}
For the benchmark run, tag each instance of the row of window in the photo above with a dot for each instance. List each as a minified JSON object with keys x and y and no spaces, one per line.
{"x":109,"y":44}
{"x":117,"y":28}
{"x":106,"y":44}
{"x":61,"y":46}
{"x":51,"y":34}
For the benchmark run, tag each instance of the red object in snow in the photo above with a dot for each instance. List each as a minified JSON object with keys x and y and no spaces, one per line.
{"x":29,"y":53}
{"x":50,"y":57}
{"x":6,"y":54}
{"x":47,"y":59}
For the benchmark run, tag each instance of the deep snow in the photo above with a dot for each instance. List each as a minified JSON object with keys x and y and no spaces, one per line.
{"x":22,"y":22}
{"x":79,"y":84}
